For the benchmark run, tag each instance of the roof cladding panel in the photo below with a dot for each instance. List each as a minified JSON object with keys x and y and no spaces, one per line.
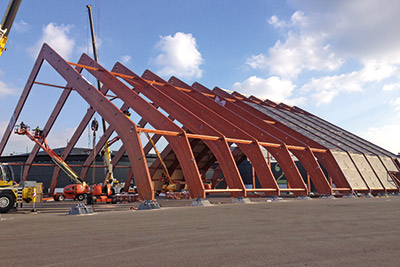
{"x":367,"y":173}
{"x":360,"y":141}
{"x":312,"y":128}
{"x":288,"y":123}
{"x":328,"y":135}
{"x":381,"y":172}
{"x":344,"y":136}
{"x":389,"y":164}
{"x":349,"y":170}
{"x":356,"y":166}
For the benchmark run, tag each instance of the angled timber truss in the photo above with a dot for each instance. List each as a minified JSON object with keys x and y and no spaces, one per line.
{"x":216,"y":127}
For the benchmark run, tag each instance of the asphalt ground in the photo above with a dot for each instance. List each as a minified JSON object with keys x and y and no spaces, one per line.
{"x":317,"y":232}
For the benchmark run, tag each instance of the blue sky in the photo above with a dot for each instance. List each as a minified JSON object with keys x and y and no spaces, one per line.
{"x":336,"y":59}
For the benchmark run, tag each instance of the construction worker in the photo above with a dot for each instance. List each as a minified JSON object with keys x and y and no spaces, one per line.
{"x":164,"y":178}
{"x":37,"y":131}
{"x":95,"y":125}
{"x":22,"y":126}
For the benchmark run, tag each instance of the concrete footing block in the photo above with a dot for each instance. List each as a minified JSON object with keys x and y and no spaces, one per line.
{"x":80,"y":209}
{"x":349,"y":196}
{"x":367,"y":195}
{"x":382,"y":195}
{"x":303,"y":198}
{"x":327,"y":197}
{"x":241,"y":200}
{"x":275,"y":198}
{"x":149,"y":205}
{"x":200,"y":202}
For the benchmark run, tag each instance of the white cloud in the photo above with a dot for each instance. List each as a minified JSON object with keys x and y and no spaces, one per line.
{"x":6,"y":90}
{"x":325,"y":88}
{"x":364,"y":29}
{"x":179,"y":57}
{"x":391,"y":86}
{"x":377,"y":70}
{"x":323,"y":36}
{"x":298,"y":52}
{"x":396,"y":103}
{"x":259,"y":61}
{"x":126,"y":59}
{"x":21,"y":26}
{"x":273,"y":88}
{"x":386,"y":136}
{"x":324,"y":96}
{"x":298,"y":19}
{"x":296,"y":101}
{"x":57,"y":37}
{"x":276,"y":22}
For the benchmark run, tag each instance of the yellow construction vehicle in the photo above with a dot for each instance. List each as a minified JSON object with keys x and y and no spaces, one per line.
{"x":7,"y":22}
{"x":169,"y":185}
{"x":13,"y":194}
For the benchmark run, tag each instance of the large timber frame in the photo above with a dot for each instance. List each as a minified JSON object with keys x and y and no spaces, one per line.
{"x":206,"y":128}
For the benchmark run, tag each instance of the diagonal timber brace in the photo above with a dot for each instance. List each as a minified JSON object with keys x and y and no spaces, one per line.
{"x":190,"y":121}
{"x":125,"y":128}
{"x":156,"y":119}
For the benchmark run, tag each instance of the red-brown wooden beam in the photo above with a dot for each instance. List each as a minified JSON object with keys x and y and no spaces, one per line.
{"x":223,"y":115}
{"x":91,"y":157}
{"x":266,"y":177}
{"x":46,"y":129}
{"x":166,"y":151}
{"x":125,"y":128}
{"x":216,"y":120}
{"x":306,"y":156}
{"x":358,"y":144}
{"x":372,"y":147}
{"x":71,"y":144}
{"x":264,"y":131}
{"x":21,"y":102}
{"x":322,"y":135}
{"x":191,"y":122}
{"x":344,"y":141}
{"x":73,"y":140}
{"x":326,"y":158}
{"x":251,"y":149}
{"x":173,"y":166}
{"x":98,"y":148}
{"x":157,"y":120}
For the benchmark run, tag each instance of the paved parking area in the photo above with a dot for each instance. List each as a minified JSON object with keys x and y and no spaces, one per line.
{"x":318,"y":232}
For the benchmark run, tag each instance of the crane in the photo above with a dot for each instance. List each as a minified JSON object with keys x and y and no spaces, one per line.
{"x":109,"y":179}
{"x":7,"y":22}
